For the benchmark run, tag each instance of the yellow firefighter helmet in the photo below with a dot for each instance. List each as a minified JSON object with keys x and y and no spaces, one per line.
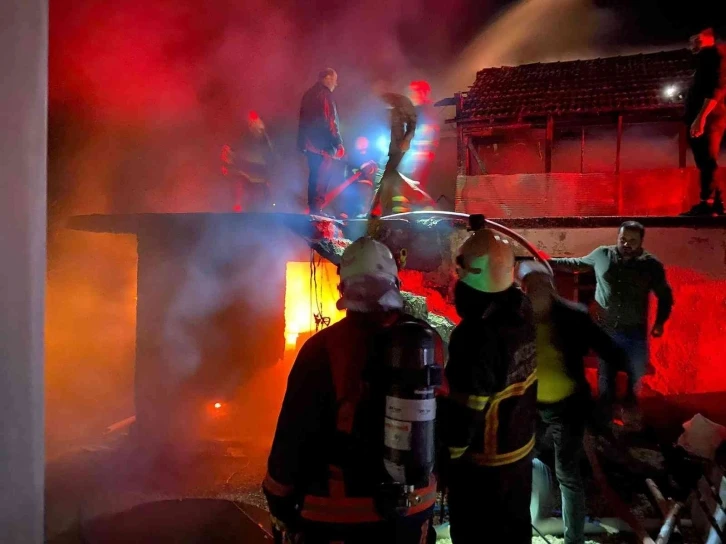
{"x":486,"y":262}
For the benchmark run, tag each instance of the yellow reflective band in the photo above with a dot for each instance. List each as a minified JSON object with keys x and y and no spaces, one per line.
{"x":477,"y":403}
{"x":455,"y":453}
{"x":491,"y":425}
{"x":497,"y":460}
{"x":399,"y":199}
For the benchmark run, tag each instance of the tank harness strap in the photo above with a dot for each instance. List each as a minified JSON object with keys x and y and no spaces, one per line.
{"x":362,"y":509}
{"x":336,"y":482}
{"x":276,"y":488}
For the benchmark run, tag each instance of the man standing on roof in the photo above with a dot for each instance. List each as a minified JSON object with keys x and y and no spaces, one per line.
{"x":706,"y":118}
{"x":565,"y":335}
{"x":625,"y":275}
{"x":403,"y":128}
{"x":330,"y":468}
{"x":249,"y":164}
{"x":488,"y":420}
{"x":319,"y":137}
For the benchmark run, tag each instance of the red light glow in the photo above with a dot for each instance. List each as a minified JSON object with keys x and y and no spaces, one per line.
{"x":361,"y":144}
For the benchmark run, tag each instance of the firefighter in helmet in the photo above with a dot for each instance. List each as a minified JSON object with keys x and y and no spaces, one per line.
{"x":353,"y":453}
{"x":488,"y":419}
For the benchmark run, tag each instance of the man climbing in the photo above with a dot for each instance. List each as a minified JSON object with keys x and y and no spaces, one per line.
{"x":565,"y":335}
{"x":403,"y":128}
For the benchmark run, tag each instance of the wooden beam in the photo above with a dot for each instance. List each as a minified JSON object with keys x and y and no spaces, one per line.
{"x":460,"y":152}
{"x":549,"y":137}
{"x":618,"y":143}
{"x":671,"y":523}
{"x":479,"y":162}
{"x":467,"y":156}
{"x":682,"y":145}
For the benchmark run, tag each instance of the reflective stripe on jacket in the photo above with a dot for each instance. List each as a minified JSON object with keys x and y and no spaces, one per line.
{"x":489,"y":417}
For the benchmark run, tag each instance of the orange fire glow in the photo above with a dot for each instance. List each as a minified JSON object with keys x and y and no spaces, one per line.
{"x":307,"y":295}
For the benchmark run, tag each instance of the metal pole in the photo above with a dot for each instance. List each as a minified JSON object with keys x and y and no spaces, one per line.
{"x":618,"y":143}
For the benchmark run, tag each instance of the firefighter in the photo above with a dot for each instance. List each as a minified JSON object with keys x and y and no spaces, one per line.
{"x":488,"y":420}
{"x":347,"y":463}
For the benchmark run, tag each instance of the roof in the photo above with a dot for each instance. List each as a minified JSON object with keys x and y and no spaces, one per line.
{"x":623,"y":84}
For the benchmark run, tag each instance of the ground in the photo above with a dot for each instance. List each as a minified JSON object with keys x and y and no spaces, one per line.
{"x":111,"y":476}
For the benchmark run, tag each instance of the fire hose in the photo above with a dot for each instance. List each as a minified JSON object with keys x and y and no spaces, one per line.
{"x":477,"y":221}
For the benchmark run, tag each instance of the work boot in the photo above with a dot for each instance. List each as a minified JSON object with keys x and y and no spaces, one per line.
{"x":699,"y":210}
{"x":717,"y":207}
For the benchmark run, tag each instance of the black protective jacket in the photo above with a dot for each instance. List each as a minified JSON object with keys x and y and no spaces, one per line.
{"x":326,"y":462}
{"x":575,"y":334}
{"x":489,"y":417}
{"x":319,"y":130}
{"x":709,"y":82}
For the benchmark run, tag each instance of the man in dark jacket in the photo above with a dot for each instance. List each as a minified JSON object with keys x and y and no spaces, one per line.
{"x":403,"y":129}
{"x":249,"y":165}
{"x":319,"y":137}
{"x":488,"y":420}
{"x":326,"y":468}
{"x":565,"y":335}
{"x":706,"y":117}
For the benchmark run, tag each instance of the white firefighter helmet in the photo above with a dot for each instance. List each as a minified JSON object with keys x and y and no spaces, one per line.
{"x":486,"y":262}
{"x":369,"y":277}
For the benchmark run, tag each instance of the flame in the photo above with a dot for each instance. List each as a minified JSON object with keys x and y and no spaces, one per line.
{"x":307,"y":295}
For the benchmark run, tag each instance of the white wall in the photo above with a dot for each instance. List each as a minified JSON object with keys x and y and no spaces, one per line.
{"x":23,"y":142}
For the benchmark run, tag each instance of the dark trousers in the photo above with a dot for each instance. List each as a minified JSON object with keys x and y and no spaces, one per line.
{"x":564,"y":423}
{"x":389,"y":184}
{"x":416,"y":529}
{"x":320,"y":178}
{"x":491,"y":504}
{"x":635,"y":343}
{"x":706,"y":149}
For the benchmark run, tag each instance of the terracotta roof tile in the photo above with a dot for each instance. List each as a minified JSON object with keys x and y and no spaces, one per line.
{"x":614,"y":84}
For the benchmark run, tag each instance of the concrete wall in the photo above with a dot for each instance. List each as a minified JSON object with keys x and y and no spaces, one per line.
{"x":657,"y":192}
{"x":23,"y":141}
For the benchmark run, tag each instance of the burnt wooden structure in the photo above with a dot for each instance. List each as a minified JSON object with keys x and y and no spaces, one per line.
{"x":586,"y":137}
{"x":538,"y":98}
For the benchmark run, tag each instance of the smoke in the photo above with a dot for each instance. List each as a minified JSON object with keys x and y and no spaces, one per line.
{"x":144,"y":94}
{"x":538,"y":31}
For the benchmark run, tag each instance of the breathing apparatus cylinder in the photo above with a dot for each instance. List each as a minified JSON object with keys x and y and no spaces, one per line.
{"x":413,"y":373}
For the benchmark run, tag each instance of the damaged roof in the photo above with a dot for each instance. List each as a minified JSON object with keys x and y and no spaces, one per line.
{"x":622,"y":84}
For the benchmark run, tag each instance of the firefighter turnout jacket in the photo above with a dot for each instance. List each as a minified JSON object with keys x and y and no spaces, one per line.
{"x":326,"y":462}
{"x":489,"y":416}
